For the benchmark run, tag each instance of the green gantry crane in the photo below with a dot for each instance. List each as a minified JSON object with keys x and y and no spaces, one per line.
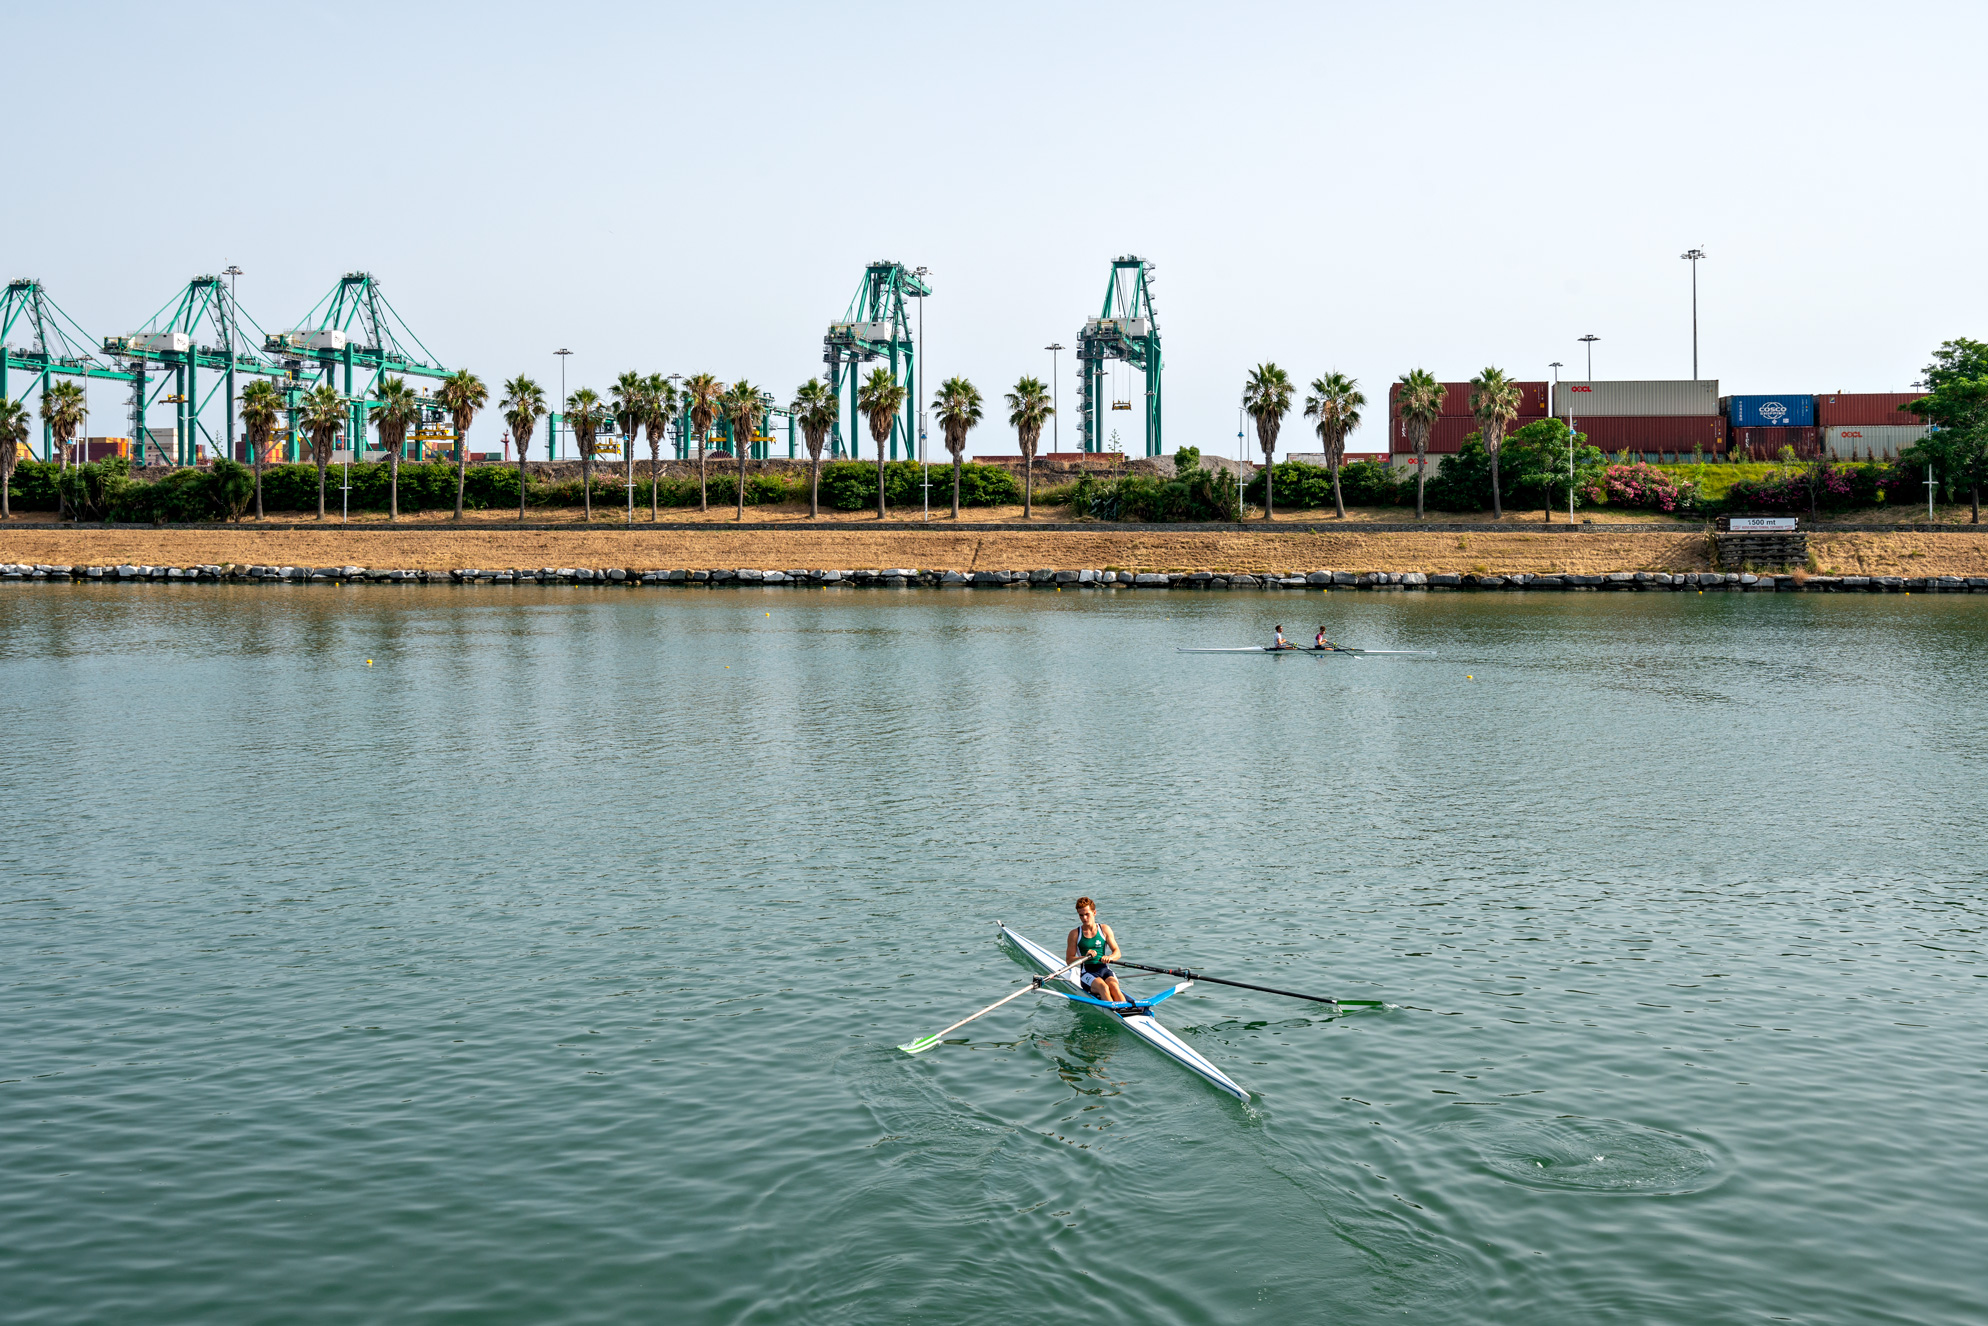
{"x":201,"y":327}
{"x":354,"y":334}
{"x":1127,"y":329}
{"x":877,"y":326}
{"x":26,"y":309}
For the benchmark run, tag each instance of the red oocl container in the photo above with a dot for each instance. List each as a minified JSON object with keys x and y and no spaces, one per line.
{"x":1446,"y":437}
{"x":1456,"y":399}
{"x":1866,"y":407}
{"x":1677,"y":434}
{"x":1766,"y":443}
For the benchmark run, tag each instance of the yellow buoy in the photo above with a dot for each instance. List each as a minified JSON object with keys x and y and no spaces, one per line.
{"x":369,"y":662}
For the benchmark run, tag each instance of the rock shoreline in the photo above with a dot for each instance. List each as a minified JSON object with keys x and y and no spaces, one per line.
{"x":1043,"y":578}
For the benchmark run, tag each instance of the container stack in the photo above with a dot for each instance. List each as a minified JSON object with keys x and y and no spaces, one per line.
{"x":1656,"y":421}
{"x":1457,"y":422}
{"x":1869,"y":425}
{"x":1760,"y":427}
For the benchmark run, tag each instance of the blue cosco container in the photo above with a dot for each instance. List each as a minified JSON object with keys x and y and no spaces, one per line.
{"x":1796,"y":411}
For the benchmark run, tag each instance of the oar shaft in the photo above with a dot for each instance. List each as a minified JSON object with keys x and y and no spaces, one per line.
{"x":1243,"y":985}
{"x":936,"y":1036}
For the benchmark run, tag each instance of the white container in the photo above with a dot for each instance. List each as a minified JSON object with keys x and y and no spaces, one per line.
{"x":166,"y":342}
{"x":328,"y":339}
{"x":1136,"y":328}
{"x":1862,"y":441}
{"x":871,"y":331}
{"x":1604,"y":399}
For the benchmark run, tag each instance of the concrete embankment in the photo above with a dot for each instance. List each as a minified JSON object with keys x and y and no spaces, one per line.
{"x":1041,"y":578}
{"x":1253,"y":550}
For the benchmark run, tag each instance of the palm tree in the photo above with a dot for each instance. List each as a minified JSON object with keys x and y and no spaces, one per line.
{"x":464,"y":394}
{"x":743,"y":409}
{"x":64,"y":407}
{"x":1028,"y":410}
{"x":14,"y":428}
{"x":1494,"y":399}
{"x":958,"y":405}
{"x":262,"y":406}
{"x":323,"y":414}
{"x":1420,"y":404}
{"x":398,"y":410}
{"x":585,"y":415}
{"x":1335,"y":402}
{"x":700,"y":394}
{"x":631,"y":407}
{"x":880,"y":399}
{"x":1267,"y":399}
{"x":662,"y":407}
{"x":816,"y":410}
{"x":523,"y":407}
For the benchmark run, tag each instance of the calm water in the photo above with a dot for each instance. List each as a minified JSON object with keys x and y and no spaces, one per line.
{"x":548,"y":969}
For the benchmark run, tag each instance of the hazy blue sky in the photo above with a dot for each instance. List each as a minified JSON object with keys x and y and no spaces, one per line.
{"x":697,"y":188}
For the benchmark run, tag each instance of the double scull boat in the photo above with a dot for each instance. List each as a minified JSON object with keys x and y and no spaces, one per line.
{"x":1297,"y":649}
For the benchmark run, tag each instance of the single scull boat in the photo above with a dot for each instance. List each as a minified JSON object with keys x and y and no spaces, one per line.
{"x":1141,"y":1024}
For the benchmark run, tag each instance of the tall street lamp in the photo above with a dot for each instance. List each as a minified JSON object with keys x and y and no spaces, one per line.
{"x":558,"y":414}
{"x":1055,"y":417}
{"x":228,"y":339}
{"x":917,"y":365}
{"x":1589,"y":341}
{"x":1694,"y":256}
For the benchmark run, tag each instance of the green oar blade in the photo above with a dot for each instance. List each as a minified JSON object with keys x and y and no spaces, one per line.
{"x":919,"y":1046}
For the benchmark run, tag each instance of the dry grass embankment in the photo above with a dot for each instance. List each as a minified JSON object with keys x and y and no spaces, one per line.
{"x":846,"y":544}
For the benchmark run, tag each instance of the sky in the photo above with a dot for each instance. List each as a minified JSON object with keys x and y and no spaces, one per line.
{"x":1367,"y":188}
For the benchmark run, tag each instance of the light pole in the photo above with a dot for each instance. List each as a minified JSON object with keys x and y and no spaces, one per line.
{"x":1589,"y":341}
{"x":1694,"y":256}
{"x":557,"y":415}
{"x":1055,"y":417}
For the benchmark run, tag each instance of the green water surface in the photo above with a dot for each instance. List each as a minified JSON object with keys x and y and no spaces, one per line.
{"x":548,"y":969}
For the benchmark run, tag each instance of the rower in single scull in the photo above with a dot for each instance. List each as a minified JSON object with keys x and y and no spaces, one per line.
{"x":1097,"y":946}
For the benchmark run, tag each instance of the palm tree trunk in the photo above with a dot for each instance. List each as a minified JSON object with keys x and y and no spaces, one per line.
{"x":258,"y":484}
{"x":1421,"y":473}
{"x":587,"y":478}
{"x":1338,"y":502}
{"x":1974,"y":492}
{"x":521,"y":485}
{"x":462,"y":468}
{"x":880,"y":480}
{"x":1268,"y":475}
{"x":323,"y":460}
{"x":741,"y":449}
{"x":814,"y":486}
{"x":655,"y":465}
{"x":1028,"y":486}
{"x":1497,"y":501}
{"x":956,"y":474}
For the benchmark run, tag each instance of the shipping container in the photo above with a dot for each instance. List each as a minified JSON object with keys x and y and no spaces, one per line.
{"x":1871,"y":441}
{"x":1456,"y":399}
{"x":1843,"y":409}
{"x":1767,"y":443}
{"x":1654,"y":434}
{"x":1794,"y":410}
{"x":1594,"y":399}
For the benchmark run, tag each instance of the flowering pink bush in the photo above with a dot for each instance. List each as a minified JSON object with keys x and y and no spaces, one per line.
{"x":1644,"y":487}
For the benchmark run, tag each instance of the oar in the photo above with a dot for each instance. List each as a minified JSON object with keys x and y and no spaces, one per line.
{"x":924,"y":1043}
{"x":1245,"y":985}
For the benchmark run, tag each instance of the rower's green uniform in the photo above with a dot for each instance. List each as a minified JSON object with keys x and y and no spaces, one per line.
{"x":1093,"y":949}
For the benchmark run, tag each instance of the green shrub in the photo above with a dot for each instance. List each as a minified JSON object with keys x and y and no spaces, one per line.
{"x":1191,"y":495}
{"x":33,"y":486}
